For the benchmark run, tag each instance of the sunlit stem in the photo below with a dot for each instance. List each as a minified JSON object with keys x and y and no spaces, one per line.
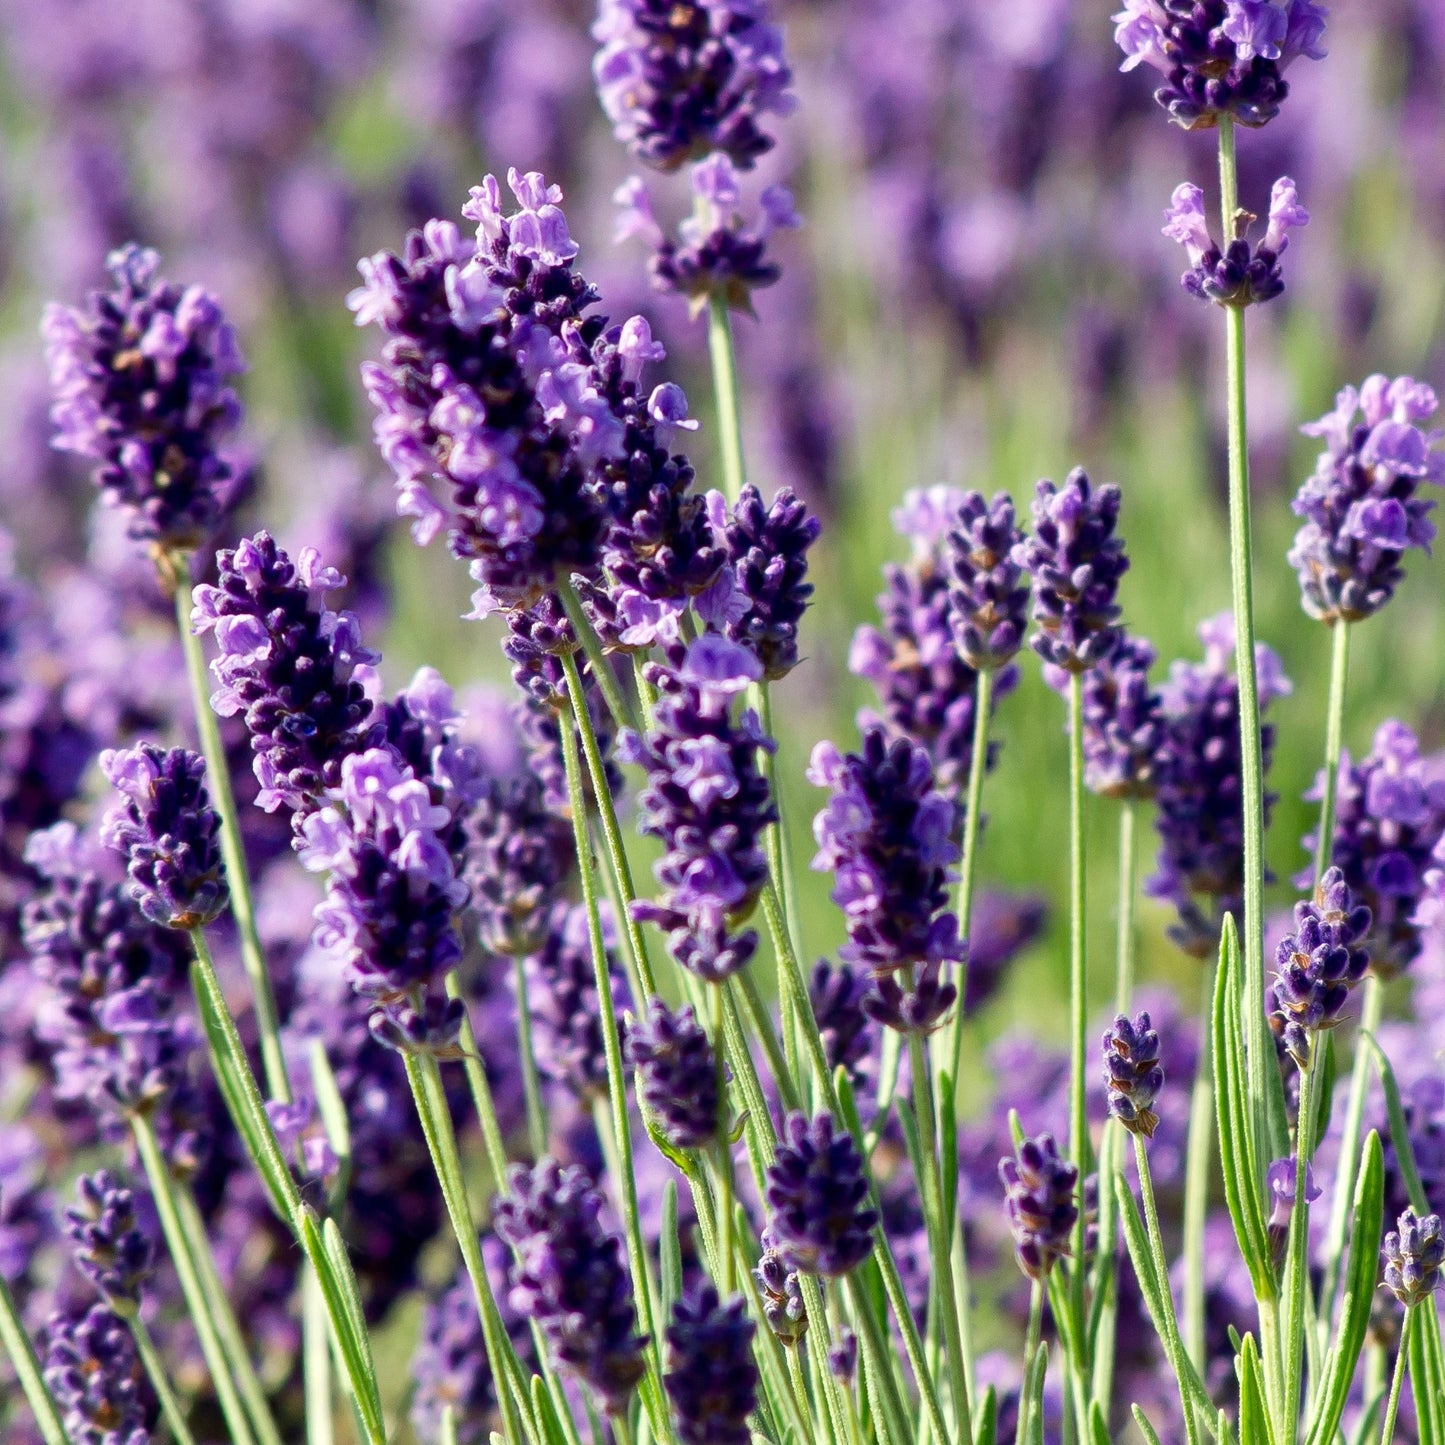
{"x":1031,"y":1348}
{"x":727,"y":1277}
{"x":1079,"y":1150}
{"x":725,"y":389}
{"x":1296,"y":1287}
{"x":1397,"y":1379}
{"x":27,"y":1370}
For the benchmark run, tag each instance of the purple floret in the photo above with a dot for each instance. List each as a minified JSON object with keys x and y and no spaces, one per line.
{"x":677,"y":1075}
{"x":567,"y":1275}
{"x":711,"y":1376}
{"x":1238,"y":274}
{"x":988,"y":590}
{"x":781,"y":1292}
{"x":1361,"y":505}
{"x":678,"y":81}
{"x":287,"y":664}
{"x":167,"y":832}
{"x":96,"y":1379}
{"x":1041,"y":1202}
{"x":112,"y":1249}
{"x":817,"y":1195}
{"x":768,"y":547}
{"x":142,"y":382}
{"x":1133,"y":1076}
{"x":1412,"y":1255}
{"x":708,"y":801}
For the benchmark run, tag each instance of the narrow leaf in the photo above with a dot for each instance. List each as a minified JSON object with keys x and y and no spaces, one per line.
{"x":1149,"y":1433}
{"x":1399,"y":1129}
{"x":545,"y":1411}
{"x":985,"y":1418}
{"x":670,"y":1248}
{"x":1253,"y":1412}
{"x":1098,"y":1430}
{"x":1033,"y":1397}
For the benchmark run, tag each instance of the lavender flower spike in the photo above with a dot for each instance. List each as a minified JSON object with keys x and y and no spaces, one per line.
{"x":1132,"y":1074}
{"x":713,"y":1379}
{"x":817,"y":1199}
{"x":988,"y":592}
{"x":1124,"y":727}
{"x":1040,"y":1199}
{"x":676,"y":1074}
{"x":1076,"y":562}
{"x":768,"y":548}
{"x":142,"y":383}
{"x":782,"y":1295}
{"x":287,"y":664}
{"x":1360,"y":505}
{"x":1319,"y":963}
{"x":165,"y":828}
{"x":567,"y":1274}
{"x":111,"y":1249}
{"x":95,"y":1377}
{"x":1412,"y":1256}
{"x":1236,"y":275}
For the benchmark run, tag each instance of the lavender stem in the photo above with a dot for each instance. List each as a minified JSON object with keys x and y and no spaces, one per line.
{"x":531,"y":1083}
{"x":727,"y":1281}
{"x":27,"y":1369}
{"x":1031,"y":1348}
{"x":155,"y":1368}
{"x":1296,"y":1284}
{"x":316,"y":1363}
{"x":725,"y":387}
{"x":1078,"y":1119}
{"x":1197,"y":1161}
{"x":1397,"y":1378}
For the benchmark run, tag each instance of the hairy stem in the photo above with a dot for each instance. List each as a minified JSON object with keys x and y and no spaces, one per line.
{"x":725,"y":389}
{"x":1079,"y":1149}
{"x":155,"y":1368}
{"x":1198,"y":1161}
{"x":1297,"y":1257}
{"x":1397,"y":1379}
{"x":27,"y":1370}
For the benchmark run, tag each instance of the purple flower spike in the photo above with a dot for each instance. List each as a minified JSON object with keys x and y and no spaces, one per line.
{"x":708,"y":801}
{"x":1236,"y":274}
{"x":1361,"y":505}
{"x":768,"y":547}
{"x":1041,"y":1201}
{"x":142,"y":383}
{"x":888,"y":836}
{"x":1132,"y":1073}
{"x":712,"y":1378}
{"x":96,"y":1378}
{"x":1412,"y":1256}
{"x":111,"y":1249}
{"x":678,"y":81}
{"x":817,"y":1196}
{"x":782,"y":1294}
{"x":568,"y":1276}
{"x":168,"y":833}
{"x":288,"y":665}
{"x":988,"y":592}
{"x":1219,"y":57}
{"x":1319,"y":963}
{"x":1076,"y":562}
{"x":1124,"y":726}
{"x":676,"y":1074}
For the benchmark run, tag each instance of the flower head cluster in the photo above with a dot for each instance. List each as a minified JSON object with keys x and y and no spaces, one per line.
{"x":1319,"y":963}
{"x":719,"y":250}
{"x":1237,"y":275}
{"x":1041,"y":1202}
{"x":1123,"y":723}
{"x":677,"y":1074}
{"x":680,"y":80}
{"x":391,"y":898}
{"x":96,"y":1379}
{"x":478,"y":390}
{"x":782,"y":1293}
{"x":768,"y":548}
{"x":817,"y":1196}
{"x":1412,"y":1256}
{"x":1219,"y":57}
{"x":115,"y":1039}
{"x":112,"y":1250}
{"x":1389,"y":817}
{"x":288,"y":665}
{"x":925,"y":688}
{"x":1360,"y":505}
{"x":988,"y":592}
{"x":567,"y":1275}
{"x":1133,"y":1076}
{"x":1200,"y":785}
{"x":142,"y":379}
{"x":707,"y":800}
{"x":887,"y":834}
{"x":165,"y":828}
{"x":712,"y":1378}
{"x":1075,"y":561}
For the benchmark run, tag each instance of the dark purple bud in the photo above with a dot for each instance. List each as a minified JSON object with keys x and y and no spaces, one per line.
{"x":112,"y":1250}
{"x":677,"y":1076}
{"x":837,"y":998}
{"x":817,"y":1196}
{"x":1412,"y":1255}
{"x":1239,"y":274}
{"x":1132,"y":1073}
{"x":168,"y":833}
{"x":769,"y":551}
{"x":711,"y":1378}
{"x":1041,"y":1200}
{"x":915,"y":1006}
{"x":783,"y":1306}
{"x":988,"y":591}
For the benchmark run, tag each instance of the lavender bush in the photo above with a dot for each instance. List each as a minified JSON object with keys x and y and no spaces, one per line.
{"x":685,"y":960}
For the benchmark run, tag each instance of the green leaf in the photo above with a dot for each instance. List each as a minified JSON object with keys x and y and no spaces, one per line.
{"x":1367,"y":1430}
{"x":1098,"y":1429}
{"x":670,"y":1249}
{"x":1253,"y":1412}
{"x":1324,"y":1086}
{"x":1150,"y":1434}
{"x":1399,"y":1130}
{"x":948,"y":1146}
{"x":1364,"y":1254}
{"x":546,"y":1411}
{"x":1033,"y":1396}
{"x":685,"y":1165}
{"x":985,"y":1418}
{"x":1427,"y":1375}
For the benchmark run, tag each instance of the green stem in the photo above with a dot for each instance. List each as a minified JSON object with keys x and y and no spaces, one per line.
{"x":198,"y":1303}
{"x":218,"y":780}
{"x":1397,"y":1379}
{"x":1334,"y":730}
{"x":1173,"y":1345}
{"x":1078,"y":1118}
{"x":727,"y":1277}
{"x":316,"y":1362}
{"x":1197,"y":1163}
{"x":939,"y":1238}
{"x":725,"y":389}
{"x":429,"y":1094}
{"x":1031,"y":1348}
{"x":616,"y":1080}
{"x":481,"y":1091}
{"x":972,"y":819}
{"x":1371,"y":1011}
{"x":1261,"y":1057}
{"x":155,"y":1368}
{"x":876,"y":1357}
{"x":1297,"y":1258}
{"x":27,"y":1369}
{"x":623,"y":713}
{"x":531,"y":1082}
